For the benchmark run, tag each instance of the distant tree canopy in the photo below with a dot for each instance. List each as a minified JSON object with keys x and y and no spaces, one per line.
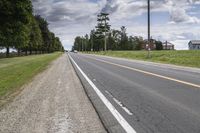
{"x":159,"y":45}
{"x":21,"y":30}
{"x":104,"y":38}
{"x":103,"y":27}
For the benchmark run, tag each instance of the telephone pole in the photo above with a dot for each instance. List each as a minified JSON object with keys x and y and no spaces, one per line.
{"x":82,"y":43}
{"x":149,"y":30}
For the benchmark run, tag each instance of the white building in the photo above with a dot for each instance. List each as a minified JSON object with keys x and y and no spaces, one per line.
{"x":168,"y":46}
{"x":194,"y":45}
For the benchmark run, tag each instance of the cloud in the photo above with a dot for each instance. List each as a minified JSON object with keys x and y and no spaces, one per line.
{"x":70,"y":18}
{"x":178,"y":11}
{"x":179,"y":15}
{"x":111,"y":6}
{"x":181,"y":44}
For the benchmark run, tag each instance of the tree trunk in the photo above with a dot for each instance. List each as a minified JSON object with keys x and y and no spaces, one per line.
{"x":18,"y":52}
{"x":7,"y":51}
{"x":26,"y":52}
{"x":47,"y":50}
{"x":30,"y":51}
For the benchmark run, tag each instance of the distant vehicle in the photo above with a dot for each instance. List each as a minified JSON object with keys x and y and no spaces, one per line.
{"x":75,"y":51}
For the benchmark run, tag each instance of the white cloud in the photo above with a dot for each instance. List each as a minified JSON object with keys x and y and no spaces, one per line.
{"x":181,"y":44}
{"x":70,"y":18}
{"x":178,"y":11}
{"x":178,"y":14}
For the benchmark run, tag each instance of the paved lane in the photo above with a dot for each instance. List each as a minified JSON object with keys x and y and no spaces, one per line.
{"x":150,"y":104}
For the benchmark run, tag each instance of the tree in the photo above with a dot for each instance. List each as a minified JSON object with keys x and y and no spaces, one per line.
{"x":92,"y":38}
{"x":114,"y":39}
{"x":124,"y":39}
{"x":58,"y":45}
{"x":19,"y":29}
{"x":131,"y":43}
{"x":159,"y":45}
{"x":103,"y":27}
{"x":14,"y":20}
{"x":45,"y":33}
{"x":87,"y":44}
{"x":36,"y":40}
{"x":137,"y":43}
{"x":52,"y":42}
{"x":77,"y":44}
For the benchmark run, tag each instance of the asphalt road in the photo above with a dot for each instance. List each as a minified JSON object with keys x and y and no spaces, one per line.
{"x":152,"y":98}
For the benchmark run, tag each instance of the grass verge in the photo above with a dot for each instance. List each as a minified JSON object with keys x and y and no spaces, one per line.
{"x":14,"y":72}
{"x":189,"y":58}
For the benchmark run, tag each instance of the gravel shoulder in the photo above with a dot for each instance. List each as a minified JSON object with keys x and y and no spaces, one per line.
{"x":54,"y":102}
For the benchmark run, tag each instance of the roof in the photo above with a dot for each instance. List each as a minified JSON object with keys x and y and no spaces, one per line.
{"x":168,"y":43}
{"x":195,"y":42}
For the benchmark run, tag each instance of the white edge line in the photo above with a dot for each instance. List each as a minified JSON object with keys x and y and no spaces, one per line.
{"x":112,"y":109}
{"x":122,"y":106}
{"x":119,"y":103}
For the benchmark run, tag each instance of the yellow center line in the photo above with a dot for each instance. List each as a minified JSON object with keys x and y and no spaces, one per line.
{"x":148,"y":73}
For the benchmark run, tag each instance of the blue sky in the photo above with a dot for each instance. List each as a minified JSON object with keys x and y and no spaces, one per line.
{"x":177,"y":21}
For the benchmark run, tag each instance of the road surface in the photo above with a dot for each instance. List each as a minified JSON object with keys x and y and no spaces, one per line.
{"x":54,"y":102}
{"x":151,"y":97}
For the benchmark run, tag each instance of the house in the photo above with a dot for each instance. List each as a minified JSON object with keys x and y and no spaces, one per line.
{"x":194,"y":45}
{"x":152,"y":44}
{"x":168,"y":46}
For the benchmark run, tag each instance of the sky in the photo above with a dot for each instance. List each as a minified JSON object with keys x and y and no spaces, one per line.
{"x":177,"y":21}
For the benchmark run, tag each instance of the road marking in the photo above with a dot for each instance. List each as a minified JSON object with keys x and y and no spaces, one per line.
{"x":123,"y":107}
{"x":120,"y":103}
{"x":112,"y":109}
{"x":148,"y":73}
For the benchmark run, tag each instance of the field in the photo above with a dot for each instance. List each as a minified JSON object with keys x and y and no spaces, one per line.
{"x":14,"y":72}
{"x":183,"y":58}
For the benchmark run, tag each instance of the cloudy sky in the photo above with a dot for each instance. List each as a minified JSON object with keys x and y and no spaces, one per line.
{"x":177,"y":21}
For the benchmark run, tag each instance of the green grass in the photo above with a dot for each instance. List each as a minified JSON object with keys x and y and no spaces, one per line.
{"x":14,"y":72}
{"x":183,"y":58}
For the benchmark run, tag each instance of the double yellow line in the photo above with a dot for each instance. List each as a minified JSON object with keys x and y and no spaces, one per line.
{"x":148,"y":73}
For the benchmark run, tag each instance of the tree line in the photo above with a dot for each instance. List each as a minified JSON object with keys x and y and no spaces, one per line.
{"x":22,"y":30}
{"x":104,"y":38}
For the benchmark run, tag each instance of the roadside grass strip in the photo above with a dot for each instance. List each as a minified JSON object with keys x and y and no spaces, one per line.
{"x":15,"y":72}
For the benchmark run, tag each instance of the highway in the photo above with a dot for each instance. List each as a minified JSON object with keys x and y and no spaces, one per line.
{"x":151,"y":97}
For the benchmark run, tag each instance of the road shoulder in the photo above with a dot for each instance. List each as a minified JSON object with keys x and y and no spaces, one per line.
{"x":54,"y":102}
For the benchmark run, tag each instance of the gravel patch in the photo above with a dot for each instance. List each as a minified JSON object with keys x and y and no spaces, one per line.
{"x":54,"y":102}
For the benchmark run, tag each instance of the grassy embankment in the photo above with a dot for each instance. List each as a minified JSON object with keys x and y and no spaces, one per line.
{"x":183,"y":58}
{"x":14,"y":72}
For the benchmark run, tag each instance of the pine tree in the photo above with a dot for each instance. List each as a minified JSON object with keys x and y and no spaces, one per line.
{"x":103,"y":27}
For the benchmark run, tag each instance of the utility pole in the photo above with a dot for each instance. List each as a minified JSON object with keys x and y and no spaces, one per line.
{"x":82,"y":43}
{"x":105,"y":42}
{"x":149,"y":30}
{"x":92,"y":43}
